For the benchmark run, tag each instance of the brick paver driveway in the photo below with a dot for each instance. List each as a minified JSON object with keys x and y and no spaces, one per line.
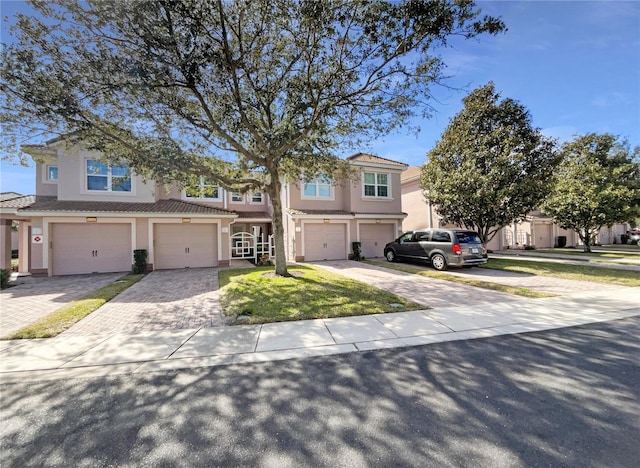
{"x":24,"y":303}
{"x":163,"y":300}
{"x":427,"y":291}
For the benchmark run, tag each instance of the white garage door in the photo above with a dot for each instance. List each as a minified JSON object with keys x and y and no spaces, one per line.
{"x":185,"y":246}
{"x":374,"y":237}
{"x":90,"y":248}
{"x":325,"y":242}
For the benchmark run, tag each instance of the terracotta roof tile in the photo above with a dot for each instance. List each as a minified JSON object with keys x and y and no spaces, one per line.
{"x":18,"y":202}
{"x":411,"y":172}
{"x":161,"y":206}
{"x":364,"y":157}
{"x":252,"y":214}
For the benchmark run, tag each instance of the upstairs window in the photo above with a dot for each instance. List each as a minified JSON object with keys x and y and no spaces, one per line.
{"x":320,"y":187}
{"x":376,"y":185}
{"x":256,"y":198}
{"x":236,"y":197}
{"x":52,"y":173}
{"x":102,"y":177}
{"x":205,"y":189}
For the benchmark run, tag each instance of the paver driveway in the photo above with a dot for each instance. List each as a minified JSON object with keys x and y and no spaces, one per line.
{"x":427,"y":291}
{"x":24,"y":303}
{"x":164,"y":299}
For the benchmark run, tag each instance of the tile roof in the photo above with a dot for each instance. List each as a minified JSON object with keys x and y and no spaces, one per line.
{"x":410,"y":173}
{"x":52,"y":204}
{"x":17,"y":202}
{"x":252,"y":214}
{"x":320,"y":212}
{"x":364,"y":157}
{"x":8,"y":195}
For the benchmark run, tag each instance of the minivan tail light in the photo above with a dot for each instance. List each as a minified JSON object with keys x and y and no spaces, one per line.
{"x":456,"y":249}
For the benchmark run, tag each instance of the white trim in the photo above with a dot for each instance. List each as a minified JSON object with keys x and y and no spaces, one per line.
{"x":201,"y":187}
{"x":45,"y":173}
{"x":250,"y":198}
{"x":379,"y":216}
{"x":233,"y":202}
{"x":377,"y":197}
{"x":109,"y":191}
{"x":332,"y":192}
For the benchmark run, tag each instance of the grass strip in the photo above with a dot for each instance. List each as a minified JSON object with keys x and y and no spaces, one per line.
{"x":561,"y":270}
{"x":525,"y":292}
{"x":593,"y":256}
{"x":259,"y":297}
{"x":63,"y":318}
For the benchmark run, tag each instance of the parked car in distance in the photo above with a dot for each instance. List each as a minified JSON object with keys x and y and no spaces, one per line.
{"x":442,"y":247}
{"x":633,"y":237}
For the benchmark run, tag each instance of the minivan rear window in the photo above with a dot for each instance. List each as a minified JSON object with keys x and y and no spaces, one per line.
{"x":468,"y":238}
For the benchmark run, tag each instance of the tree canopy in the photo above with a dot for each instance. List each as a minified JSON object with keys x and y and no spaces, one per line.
{"x":597,"y":184}
{"x":241,"y":92}
{"x":490,"y":167}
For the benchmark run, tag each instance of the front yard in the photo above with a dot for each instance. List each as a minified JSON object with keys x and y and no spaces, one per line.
{"x":253,"y":295}
{"x":574,"y":272}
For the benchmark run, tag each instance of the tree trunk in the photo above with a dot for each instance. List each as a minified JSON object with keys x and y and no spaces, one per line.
{"x":586,"y":241}
{"x":274,"y":190}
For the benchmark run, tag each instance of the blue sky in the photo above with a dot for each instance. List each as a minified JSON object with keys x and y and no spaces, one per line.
{"x":575,"y":65}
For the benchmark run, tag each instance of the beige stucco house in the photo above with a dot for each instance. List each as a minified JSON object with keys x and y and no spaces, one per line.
{"x":88,"y":216}
{"x":536,"y":230}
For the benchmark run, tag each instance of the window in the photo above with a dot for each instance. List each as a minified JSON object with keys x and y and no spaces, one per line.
{"x":204,"y":190}
{"x":256,"y":198}
{"x":376,"y":185}
{"x":105,"y":178}
{"x":52,"y":173}
{"x":320,"y":187}
{"x":236,"y":197}
{"x":441,"y":236}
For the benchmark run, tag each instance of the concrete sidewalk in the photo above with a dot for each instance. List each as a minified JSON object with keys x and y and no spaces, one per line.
{"x":124,"y":353}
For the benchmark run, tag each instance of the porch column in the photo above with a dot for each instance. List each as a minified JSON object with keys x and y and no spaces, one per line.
{"x":23,"y":246}
{"x":514,"y":238}
{"x":5,"y":244}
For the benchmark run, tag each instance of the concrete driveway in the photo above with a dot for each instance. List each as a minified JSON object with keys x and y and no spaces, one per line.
{"x":25,"y":303}
{"x":163,"y":300}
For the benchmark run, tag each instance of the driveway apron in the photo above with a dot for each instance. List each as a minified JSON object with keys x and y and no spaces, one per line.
{"x":163,"y":300}
{"x":25,"y":303}
{"x":429,"y":292}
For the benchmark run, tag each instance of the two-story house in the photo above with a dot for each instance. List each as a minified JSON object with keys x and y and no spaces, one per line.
{"x":88,"y":216}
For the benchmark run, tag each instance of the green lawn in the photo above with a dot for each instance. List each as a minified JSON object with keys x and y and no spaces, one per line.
{"x":462,"y":280}
{"x":63,"y":318}
{"x":561,"y":270}
{"x":315,"y":293}
{"x":596,"y":255}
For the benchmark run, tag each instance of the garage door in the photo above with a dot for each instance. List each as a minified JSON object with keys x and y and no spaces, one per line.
{"x":325,"y":242}
{"x":90,"y":248}
{"x":185,"y":246}
{"x":374,"y":237}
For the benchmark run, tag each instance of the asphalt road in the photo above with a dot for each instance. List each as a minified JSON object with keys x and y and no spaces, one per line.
{"x":563,"y":398}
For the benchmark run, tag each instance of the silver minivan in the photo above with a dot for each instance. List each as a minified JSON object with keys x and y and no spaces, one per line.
{"x":442,"y":247}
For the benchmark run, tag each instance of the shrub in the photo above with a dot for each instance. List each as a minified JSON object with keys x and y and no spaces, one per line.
{"x":140,"y":261}
{"x":4,"y":278}
{"x":529,"y":247}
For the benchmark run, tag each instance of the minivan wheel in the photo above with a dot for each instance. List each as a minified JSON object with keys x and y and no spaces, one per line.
{"x":439,"y":262}
{"x":391,"y":256}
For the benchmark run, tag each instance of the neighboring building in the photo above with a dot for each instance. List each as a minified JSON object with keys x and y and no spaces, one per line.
{"x":88,"y":216}
{"x":536,"y":230}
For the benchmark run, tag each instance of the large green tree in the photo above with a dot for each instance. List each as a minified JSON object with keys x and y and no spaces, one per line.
{"x":490,"y":167}
{"x":597,"y":184}
{"x":245,"y":93}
